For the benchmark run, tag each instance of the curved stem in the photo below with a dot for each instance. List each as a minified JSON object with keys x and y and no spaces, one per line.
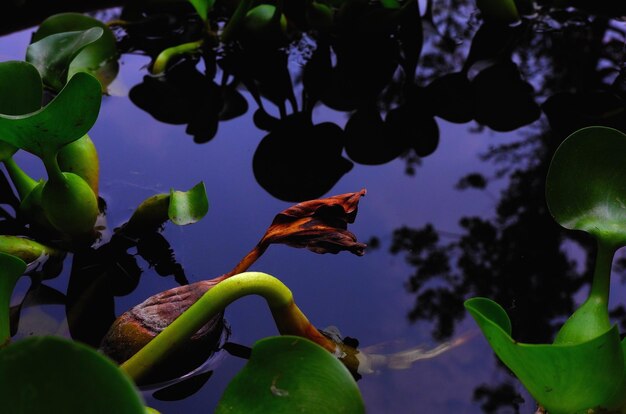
{"x":117,"y":23}
{"x":11,"y":268}
{"x":247,"y":261}
{"x":235,"y":20}
{"x":55,"y":175}
{"x":289,"y":319}
{"x":591,"y":319}
{"x":23,"y":182}
{"x":602,"y":272}
{"x":161,"y":61}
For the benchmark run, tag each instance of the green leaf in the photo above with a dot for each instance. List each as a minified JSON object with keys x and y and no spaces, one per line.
{"x":181,"y":207}
{"x":565,"y":379}
{"x":55,"y":375}
{"x":65,"y":119}
{"x":11,"y":268}
{"x":187,"y":207}
{"x":586,"y":184}
{"x":53,"y":55}
{"x":203,"y":7}
{"x":21,"y":88}
{"x":498,"y":11}
{"x":290,"y":374}
{"x":99,"y":58}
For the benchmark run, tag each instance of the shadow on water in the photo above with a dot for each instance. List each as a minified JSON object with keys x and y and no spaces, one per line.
{"x":555,"y":72}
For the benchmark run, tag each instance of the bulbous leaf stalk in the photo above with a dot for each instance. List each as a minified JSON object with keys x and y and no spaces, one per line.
{"x":68,"y":201}
{"x":81,"y":158}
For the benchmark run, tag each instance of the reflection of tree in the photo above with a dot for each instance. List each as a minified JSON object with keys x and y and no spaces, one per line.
{"x":518,"y":254}
{"x":515,"y":259}
{"x":518,"y":258}
{"x":493,"y":398}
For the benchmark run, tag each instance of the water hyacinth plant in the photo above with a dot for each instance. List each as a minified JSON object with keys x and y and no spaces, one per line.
{"x":66,"y":199}
{"x":584,"y":369}
{"x":99,"y":56}
{"x":319,"y":225}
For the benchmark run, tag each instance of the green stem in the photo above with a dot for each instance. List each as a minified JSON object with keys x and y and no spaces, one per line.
{"x":11,"y":268}
{"x":26,"y":249}
{"x":278,"y":296}
{"x":600,"y":285}
{"x":235,"y":20}
{"x":161,"y":61}
{"x":55,"y":175}
{"x":591,"y":319}
{"x":22,"y":181}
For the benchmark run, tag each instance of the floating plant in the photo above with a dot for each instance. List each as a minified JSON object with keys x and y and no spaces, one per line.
{"x":55,"y":53}
{"x":584,"y":368}
{"x":66,"y":200}
{"x":318,"y":225}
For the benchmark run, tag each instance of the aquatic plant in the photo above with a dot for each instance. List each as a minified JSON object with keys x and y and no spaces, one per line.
{"x":584,"y":368}
{"x":66,"y":199}
{"x":318,"y":225}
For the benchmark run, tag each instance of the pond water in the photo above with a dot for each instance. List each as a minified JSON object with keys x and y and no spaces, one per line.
{"x":511,"y":252}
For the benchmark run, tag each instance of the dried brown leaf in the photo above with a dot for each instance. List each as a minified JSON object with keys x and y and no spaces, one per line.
{"x":318,"y":225}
